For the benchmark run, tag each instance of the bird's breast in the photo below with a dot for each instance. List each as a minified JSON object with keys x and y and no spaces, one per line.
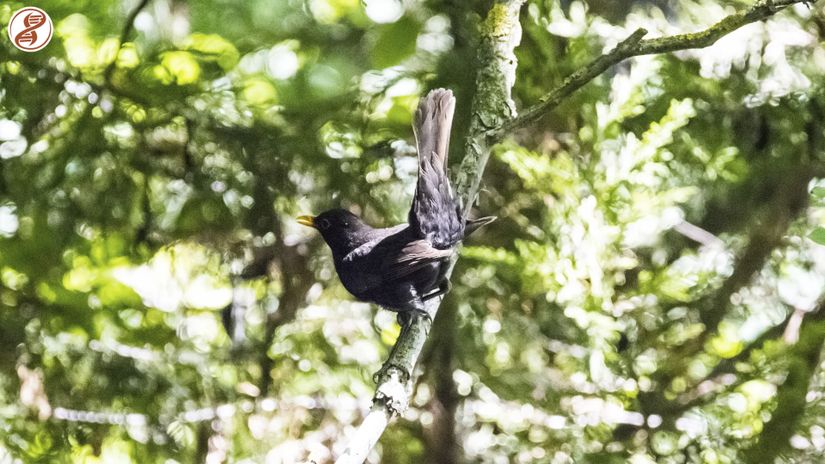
{"x":357,"y":277}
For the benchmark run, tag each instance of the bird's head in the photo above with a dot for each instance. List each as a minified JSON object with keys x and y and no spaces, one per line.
{"x":342,"y":230}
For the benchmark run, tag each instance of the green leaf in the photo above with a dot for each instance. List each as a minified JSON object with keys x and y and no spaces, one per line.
{"x":818,"y":235}
{"x":214,"y":47}
{"x":395,"y":42}
{"x":181,"y":66}
{"x":818,"y":192}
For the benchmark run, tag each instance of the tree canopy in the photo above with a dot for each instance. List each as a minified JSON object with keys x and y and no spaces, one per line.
{"x":652,"y":290}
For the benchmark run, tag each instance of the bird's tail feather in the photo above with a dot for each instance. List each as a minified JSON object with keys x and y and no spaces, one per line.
{"x":435,"y":213}
{"x":433,"y":122}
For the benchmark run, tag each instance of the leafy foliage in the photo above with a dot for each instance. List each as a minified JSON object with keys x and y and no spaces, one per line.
{"x":648,"y":294}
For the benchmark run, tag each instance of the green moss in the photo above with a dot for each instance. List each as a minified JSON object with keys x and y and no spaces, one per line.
{"x":498,"y":21}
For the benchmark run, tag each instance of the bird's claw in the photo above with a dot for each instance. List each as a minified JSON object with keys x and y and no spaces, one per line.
{"x":424,"y":315}
{"x":405,"y":319}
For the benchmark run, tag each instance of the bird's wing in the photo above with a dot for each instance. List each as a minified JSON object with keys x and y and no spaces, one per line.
{"x":394,"y":254}
{"x":386,"y":259}
{"x":412,"y":257}
{"x":435,"y":213}
{"x":369,"y":245}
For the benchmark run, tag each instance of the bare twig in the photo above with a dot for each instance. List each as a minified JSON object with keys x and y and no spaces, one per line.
{"x":698,"y":234}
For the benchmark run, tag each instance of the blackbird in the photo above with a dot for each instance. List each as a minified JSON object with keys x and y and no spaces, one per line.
{"x":401,"y":267}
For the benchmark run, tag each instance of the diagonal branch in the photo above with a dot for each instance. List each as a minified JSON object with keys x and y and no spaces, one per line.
{"x":573,"y":82}
{"x":500,"y":34}
{"x":632,"y":46}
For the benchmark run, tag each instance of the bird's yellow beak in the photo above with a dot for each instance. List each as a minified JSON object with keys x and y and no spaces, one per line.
{"x":306,"y":220}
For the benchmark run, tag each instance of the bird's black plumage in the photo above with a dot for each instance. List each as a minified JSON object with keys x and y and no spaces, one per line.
{"x":400,"y":267}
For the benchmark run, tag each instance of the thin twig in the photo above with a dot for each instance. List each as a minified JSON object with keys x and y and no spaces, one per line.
{"x":698,"y":234}
{"x":574,"y":82}
{"x":124,"y":34}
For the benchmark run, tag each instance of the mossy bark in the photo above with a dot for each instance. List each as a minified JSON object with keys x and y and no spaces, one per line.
{"x":500,"y":33}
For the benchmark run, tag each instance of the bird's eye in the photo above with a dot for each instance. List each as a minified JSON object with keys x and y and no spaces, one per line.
{"x":323,"y":224}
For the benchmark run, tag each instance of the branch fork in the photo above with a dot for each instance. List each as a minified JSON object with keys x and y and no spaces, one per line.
{"x":492,"y":104}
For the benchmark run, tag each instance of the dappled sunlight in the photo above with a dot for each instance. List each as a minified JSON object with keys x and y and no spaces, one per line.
{"x":651,"y":291}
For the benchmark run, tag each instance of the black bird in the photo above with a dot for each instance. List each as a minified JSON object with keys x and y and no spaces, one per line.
{"x":400,"y":267}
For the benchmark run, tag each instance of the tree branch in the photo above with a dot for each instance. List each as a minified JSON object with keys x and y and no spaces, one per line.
{"x":500,"y":34}
{"x":632,"y":46}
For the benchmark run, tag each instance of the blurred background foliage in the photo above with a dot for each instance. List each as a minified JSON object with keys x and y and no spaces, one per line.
{"x":647,"y":295}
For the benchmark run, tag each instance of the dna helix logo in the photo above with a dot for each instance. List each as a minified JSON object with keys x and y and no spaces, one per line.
{"x":28,"y":36}
{"x":30,"y":29}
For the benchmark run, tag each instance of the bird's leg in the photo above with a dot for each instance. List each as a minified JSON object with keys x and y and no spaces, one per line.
{"x":414,"y":307}
{"x":443,"y":288}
